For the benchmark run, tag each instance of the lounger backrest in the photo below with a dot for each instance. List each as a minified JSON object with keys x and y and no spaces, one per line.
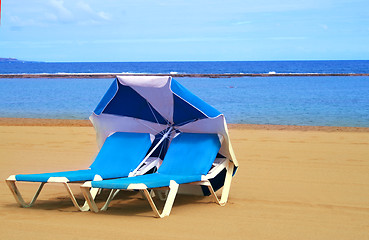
{"x":190,"y":154}
{"x":121,"y":153}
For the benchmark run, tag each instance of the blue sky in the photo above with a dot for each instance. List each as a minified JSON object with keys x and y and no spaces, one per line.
{"x":184,"y":30}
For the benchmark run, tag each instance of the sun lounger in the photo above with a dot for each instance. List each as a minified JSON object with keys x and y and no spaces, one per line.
{"x":120,"y":154}
{"x":188,"y":161}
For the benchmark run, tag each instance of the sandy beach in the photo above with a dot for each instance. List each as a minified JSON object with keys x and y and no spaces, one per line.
{"x":293,"y":183}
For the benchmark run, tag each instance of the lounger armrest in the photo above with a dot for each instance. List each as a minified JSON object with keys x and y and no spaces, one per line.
{"x":11,"y":178}
{"x":58,"y":180}
{"x":136,"y":186}
{"x":87,"y":184}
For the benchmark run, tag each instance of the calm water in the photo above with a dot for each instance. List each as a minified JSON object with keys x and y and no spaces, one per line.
{"x":323,"y":101}
{"x":190,"y":67}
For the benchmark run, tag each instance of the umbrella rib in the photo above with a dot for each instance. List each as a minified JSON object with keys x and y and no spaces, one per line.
{"x":155,"y":130}
{"x":157,"y":121}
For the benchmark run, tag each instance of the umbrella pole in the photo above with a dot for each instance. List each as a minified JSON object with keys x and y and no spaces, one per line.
{"x":133,"y":173}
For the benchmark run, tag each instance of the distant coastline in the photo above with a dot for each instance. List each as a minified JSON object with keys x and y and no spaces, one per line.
{"x":15,"y":60}
{"x":9,"y":60}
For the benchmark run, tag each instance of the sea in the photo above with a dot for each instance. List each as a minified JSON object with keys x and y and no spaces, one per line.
{"x":292,"y":100}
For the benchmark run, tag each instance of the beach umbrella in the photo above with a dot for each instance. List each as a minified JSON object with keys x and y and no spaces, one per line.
{"x":157,"y":105}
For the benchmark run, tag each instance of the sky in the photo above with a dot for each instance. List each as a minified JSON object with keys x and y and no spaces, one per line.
{"x":184,"y":30}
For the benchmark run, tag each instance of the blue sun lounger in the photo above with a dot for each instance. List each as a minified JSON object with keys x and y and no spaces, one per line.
{"x":189,"y":158}
{"x":120,"y":154}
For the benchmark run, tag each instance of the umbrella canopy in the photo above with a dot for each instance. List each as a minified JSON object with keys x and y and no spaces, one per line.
{"x":154,"y":104}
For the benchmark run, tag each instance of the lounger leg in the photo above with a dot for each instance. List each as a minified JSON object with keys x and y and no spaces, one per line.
{"x":112,"y":195}
{"x":85,"y":188}
{"x":71,"y":195}
{"x":17,"y":195}
{"x":93,"y":192}
{"x":168,"y":204}
{"x":226,"y":187}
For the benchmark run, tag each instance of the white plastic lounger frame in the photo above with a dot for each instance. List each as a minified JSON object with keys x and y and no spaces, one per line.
{"x":18,"y":196}
{"x":173,"y":189}
{"x":229,"y":166}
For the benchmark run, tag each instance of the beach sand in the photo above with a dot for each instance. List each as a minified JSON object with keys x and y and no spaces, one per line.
{"x":293,"y":183}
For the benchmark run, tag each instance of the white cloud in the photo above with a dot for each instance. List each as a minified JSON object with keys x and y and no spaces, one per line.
{"x":17,"y":22}
{"x":61,"y":11}
{"x":324,"y":26}
{"x":53,"y":12}
{"x":91,"y":13}
{"x":50,"y":17}
{"x":104,"y":16}
{"x":85,"y":7}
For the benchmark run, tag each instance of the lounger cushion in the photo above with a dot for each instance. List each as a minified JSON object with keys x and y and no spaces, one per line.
{"x":122,"y":153}
{"x":72,"y":176}
{"x":190,"y":156}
